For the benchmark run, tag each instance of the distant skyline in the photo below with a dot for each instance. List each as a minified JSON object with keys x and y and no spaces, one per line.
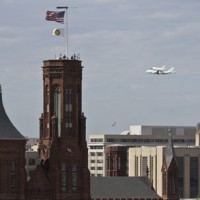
{"x":117,"y":41}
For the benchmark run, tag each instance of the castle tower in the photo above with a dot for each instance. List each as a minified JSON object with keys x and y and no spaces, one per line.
{"x":12,"y":159}
{"x":62,"y":147}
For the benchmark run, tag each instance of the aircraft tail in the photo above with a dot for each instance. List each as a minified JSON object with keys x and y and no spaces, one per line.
{"x":163,"y":67}
{"x":171,"y":70}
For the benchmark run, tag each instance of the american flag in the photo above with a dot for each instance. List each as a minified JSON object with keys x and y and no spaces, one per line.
{"x":55,"y":16}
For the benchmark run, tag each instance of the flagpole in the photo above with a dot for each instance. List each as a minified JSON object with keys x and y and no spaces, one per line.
{"x":66,"y":29}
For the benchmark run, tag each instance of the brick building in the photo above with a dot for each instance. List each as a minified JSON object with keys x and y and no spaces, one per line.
{"x":63,"y":172}
{"x":116,"y":160}
{"x":12,"y":159}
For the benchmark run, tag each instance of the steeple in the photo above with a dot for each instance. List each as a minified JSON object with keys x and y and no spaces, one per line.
{"x":169,"y":154}
{"x":170,"y":174}
{"x":7,"y":129}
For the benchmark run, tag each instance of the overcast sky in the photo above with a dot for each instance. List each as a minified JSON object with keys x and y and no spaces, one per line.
{"x":117,"y":41}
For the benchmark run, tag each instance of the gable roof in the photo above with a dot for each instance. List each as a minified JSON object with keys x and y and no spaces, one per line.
{"x":122,"y":187}
{"x":7,"y":129}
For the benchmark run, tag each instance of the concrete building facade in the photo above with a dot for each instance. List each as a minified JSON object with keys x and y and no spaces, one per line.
{"x":188,"y":160}
{"x":139,"y":135}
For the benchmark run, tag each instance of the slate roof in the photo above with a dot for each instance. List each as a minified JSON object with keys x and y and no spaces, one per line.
{"x":122,"y":187}
{"x":7,"y":129}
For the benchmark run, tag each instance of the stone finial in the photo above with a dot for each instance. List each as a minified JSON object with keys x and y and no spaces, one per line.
{"x":170,"y":131}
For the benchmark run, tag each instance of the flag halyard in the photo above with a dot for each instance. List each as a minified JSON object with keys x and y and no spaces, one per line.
{"x":55,"y":16}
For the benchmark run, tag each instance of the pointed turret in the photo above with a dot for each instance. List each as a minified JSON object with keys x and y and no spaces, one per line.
{"x":7,"y":129}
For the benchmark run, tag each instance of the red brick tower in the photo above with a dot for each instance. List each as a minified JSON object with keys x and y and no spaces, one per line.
{"x":63,"y":149}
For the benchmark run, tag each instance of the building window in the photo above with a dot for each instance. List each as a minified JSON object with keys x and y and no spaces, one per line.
{"x":119,"y":163}
{"x":181,"y":170}
{"x":136,"y":166}
{"x":99,"y":168}
{"x":63,"y":177}
{"x":99,"y":154}
{"x":151,"y":168}
{"x":92,"y":154}
{"x":193,"y":177}
{"x":13,"y":176}
{"x":112,"y":163}
{"x":57,"y":107}
{"x":96,"y":140}
{"x":68,"y":123}
{"x":144,"y":165}
{"x":99,"y":175}
{"x":92,"y":168}
{"x":109,"y":140}
{"x":74,"y":178}
{"x":68,"y":110}
{"x":96,"y":147}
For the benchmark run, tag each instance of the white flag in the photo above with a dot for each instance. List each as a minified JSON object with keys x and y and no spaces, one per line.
{"x":58,"y":32}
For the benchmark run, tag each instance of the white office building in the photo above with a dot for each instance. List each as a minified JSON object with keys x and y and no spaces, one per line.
{"x":136,"y":136}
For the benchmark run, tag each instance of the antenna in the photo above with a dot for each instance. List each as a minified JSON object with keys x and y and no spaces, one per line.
{"x":66,"y":27}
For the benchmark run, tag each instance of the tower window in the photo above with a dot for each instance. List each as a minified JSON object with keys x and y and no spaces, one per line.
{"x":63,"y":177}
{"x":74,"y":178}
{"x":13,"y":176}
{"x":68,"y":109}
